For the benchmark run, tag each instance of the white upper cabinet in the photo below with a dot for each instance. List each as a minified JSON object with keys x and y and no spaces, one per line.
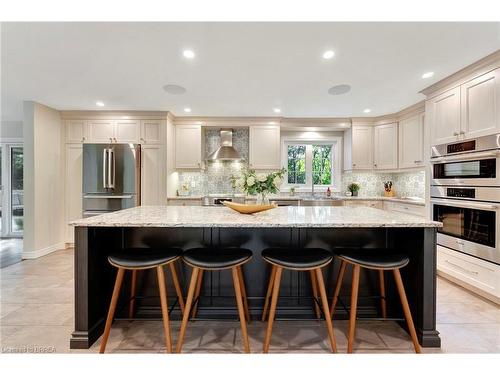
{"x":126,"y":131}
{"x":362,"y":147}
{"x":411,"y":142}
{"x":76,"y":131}
{"x":443,"y":114}
{"x":188,"y":147}
{"x":481,"y":105}
{"x":151,"y":132}
{"x":264,"y":147}
{"x":101,"y":131}
{"x":151,"y":175}
{"x":385,"y":150}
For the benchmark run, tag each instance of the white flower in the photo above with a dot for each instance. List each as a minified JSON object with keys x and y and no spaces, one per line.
{"x":250,"y":181}
{"x":261,"y":177}
{"x":240,"y":182}
{"x":277,"y":181}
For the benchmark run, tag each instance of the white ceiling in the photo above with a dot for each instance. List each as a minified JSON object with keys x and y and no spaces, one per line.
{"x":240,"y":69}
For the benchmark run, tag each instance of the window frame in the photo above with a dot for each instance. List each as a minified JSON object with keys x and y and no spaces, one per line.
{"x":335,"y":142}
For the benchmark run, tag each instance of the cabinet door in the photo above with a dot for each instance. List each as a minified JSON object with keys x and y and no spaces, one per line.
{"x":126,"y":131}
{"x":101,"y":131}
{"x":151,"y":175}
{"x":386,"y":147}
{"x":264,"y":147}
{"x":411,"y":142}
{"x":151,"y":132}
{"x":75,"y":131}
{"x":444,"y":117}
{"x":74,"y":164}
{"x":362,"y":147}
{"x":481,"y":105}
{"x":188,"y":146}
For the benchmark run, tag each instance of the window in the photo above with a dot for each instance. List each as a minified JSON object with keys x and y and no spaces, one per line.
{"x":308,"y":161}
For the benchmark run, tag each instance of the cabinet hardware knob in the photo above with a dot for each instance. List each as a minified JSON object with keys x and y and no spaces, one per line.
{"x":462,"y":132}
{"x":353,"y":164}
{"x":114,"y":139}
{"x":455,"y":133}
{"x":418,"y":161}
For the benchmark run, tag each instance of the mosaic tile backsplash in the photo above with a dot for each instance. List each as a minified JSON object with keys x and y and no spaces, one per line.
{"x":215,"y":179}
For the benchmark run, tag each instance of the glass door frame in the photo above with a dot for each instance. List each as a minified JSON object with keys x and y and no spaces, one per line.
{"x":6,"y":149}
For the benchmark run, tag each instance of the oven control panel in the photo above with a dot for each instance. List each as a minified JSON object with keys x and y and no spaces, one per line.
{"x":461,"y":193}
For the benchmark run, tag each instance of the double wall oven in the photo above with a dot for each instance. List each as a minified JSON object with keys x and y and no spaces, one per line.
{"x":465,"y":196}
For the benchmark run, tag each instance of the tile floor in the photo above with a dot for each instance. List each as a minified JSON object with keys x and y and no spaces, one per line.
{"x":36,"y":310}
{"x":11,"y":251}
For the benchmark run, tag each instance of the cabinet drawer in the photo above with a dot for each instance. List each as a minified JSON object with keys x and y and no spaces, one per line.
{"x":405,"y":208}
{"x":364,"y":203}
{"x":184,"y":202}
{"x":475,"y":272}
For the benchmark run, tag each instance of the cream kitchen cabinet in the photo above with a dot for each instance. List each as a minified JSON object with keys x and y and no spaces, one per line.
{"x":362,"y":147}
{"x":76,"y":131}
{"x":264,"y":147}
{"x":385,"y":146}
{"x":113,"y":131}
{"x":184,"y":202}
{"x":151,"y":132}
{"x":406,"y":208}
{"x":480,"y":104}
{"x":127,"y":131}
{"x":74,"y":161}
{"x":443,"y":116}
{"x":152,"y":187}
{"x":364,"y":203}
{"x":411,"y":142}
{"x":188,"y":147}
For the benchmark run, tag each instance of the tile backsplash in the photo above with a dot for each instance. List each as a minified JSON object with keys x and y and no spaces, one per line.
{"x":216,"y":177}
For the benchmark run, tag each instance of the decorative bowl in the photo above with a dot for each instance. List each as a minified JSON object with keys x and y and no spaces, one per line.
{"x":249,"y":208}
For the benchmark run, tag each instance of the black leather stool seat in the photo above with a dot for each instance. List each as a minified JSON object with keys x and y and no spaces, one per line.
{"x":303,"y":258}
{"x":138,"y":257}
{"x":381,"y":259}
{"x":215,"y":257}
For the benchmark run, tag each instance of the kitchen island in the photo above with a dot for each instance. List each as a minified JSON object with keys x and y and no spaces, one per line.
{"x":188,"y":227}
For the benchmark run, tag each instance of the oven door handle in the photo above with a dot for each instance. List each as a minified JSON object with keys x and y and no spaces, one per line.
{"x":479,"y":206}
{"x":468,"y":156}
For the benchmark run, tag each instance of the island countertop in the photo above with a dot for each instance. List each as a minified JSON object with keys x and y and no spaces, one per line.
{"x":292,"y":216}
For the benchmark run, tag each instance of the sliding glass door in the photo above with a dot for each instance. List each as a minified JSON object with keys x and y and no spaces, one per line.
{"x":11,"y":190}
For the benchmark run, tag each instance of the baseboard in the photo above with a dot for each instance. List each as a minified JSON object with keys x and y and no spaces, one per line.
{"x":41,"y":252}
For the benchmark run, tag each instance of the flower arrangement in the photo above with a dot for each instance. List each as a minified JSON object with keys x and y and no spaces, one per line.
{"x":253,"y":183}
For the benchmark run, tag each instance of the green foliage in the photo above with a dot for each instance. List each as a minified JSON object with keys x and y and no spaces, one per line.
{"x":255,"y":183}
{"x":353,"y":187}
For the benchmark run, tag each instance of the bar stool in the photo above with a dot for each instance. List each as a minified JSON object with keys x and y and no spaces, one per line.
{"x":304,"y":259}
{"x":376,"y":259}
{"x":216,"y":259}
{"x":135,"y":259}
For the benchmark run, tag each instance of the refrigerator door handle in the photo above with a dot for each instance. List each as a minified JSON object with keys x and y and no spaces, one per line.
{"x":104,"y":165}
{"x":111,"y":169}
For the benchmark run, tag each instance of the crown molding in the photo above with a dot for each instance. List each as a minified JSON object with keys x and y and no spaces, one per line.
{"x":102,"y":115}
{"x":486,"y":64}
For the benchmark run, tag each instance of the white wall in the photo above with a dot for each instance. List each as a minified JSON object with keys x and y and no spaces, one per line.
{"x":44,"y":219}
{"x":11,"y":131}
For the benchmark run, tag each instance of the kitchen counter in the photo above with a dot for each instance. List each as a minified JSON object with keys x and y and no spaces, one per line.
{"x":293,"y":216}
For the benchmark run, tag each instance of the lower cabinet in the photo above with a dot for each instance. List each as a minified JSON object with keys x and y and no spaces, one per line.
{"x":472,"y":273}
{"x":184,"y":202}
{"x":405,"y":208}
{"x":152,"y":175}
{"x":74,"y":161}
{"x":364,"y":203}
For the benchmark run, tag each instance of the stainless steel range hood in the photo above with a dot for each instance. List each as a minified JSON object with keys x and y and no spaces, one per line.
{"x":226,"y":151}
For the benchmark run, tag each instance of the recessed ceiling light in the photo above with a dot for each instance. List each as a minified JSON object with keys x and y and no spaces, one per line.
{"x":188,"y":54}
{"x":427,"y":75}
{"x":187,"y":110}
{"x":99,"y":104}
{"x":277,"y":110}
{"x":339,"y":89}
{"x":367,"y":110}
{"x":174,"y":89}
{"x":328,"y":54}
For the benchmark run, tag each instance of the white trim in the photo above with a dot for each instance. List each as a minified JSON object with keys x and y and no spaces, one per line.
{"x":46,"y":250}
{"x":11,"y":140}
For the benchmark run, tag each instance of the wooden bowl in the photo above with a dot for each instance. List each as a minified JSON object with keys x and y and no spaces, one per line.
{"x":249,"y":208}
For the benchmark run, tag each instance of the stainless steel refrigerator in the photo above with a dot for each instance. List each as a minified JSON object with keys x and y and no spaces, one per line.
{"x":111,"y":177}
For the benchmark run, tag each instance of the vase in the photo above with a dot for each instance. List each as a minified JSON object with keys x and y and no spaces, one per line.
{"x":262,"y":199}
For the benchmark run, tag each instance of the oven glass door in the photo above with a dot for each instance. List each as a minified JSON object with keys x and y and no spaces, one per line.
{"x":485,"y":168}
{"x":470,"y":224}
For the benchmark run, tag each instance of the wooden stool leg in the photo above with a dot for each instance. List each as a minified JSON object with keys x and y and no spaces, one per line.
{"x":354,"y":305}
{"x":197,"y":294}
{"x":133,"y":283}
{"x":406,"y":309}
{"x":112,"y":307}
{"x":241,"y":308}
{"x":268,"y":293}
{"x":338,"y":285}
{"x":272,"y":312}
{"x":314,"y":285}
{"x":382,"y":293}
{"x":324,"y":303}
{"x":187,"y":308}
{"x":244,"y":294}
{"x":177,"y":286}
{"x":164,"y":308}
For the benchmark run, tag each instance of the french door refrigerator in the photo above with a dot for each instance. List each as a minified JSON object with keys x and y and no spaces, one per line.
{"x":111,"y":177}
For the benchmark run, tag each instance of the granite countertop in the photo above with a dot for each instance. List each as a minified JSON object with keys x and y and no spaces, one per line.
{"x":287,"y":217}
